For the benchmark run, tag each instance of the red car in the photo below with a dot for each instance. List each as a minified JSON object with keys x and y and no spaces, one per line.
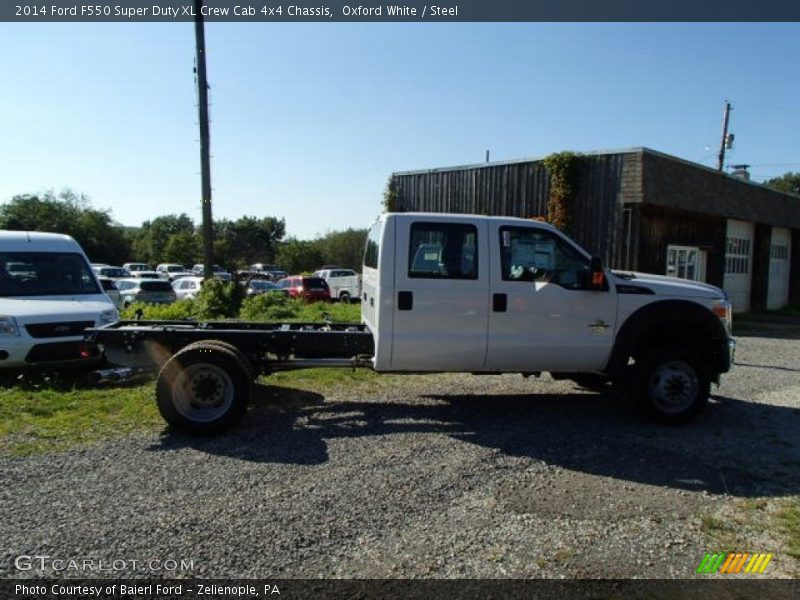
{"x":309,"y":288}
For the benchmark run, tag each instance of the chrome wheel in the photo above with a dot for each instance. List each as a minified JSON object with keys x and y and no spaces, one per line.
{"x":673,"y":386}
{"x":202,"y":393}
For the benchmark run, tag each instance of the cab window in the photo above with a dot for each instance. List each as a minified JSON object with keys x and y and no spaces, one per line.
{"x":443,"y":251}
{"x":532,"y":254}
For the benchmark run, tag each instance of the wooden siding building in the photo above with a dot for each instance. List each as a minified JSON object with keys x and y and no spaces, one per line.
{"x":642,"y":210}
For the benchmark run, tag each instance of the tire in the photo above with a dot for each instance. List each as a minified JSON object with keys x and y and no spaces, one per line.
{"x":671,"y":384}
{"x":344,"y":298}
{"x":252,"y":372}
{"x":203,"y":389}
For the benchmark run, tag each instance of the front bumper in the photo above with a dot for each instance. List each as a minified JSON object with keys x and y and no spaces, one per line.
{"x":724,"y":351}
{"x":24,"y":351}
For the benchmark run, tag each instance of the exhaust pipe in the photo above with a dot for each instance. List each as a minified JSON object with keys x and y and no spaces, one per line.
{"x":115,"y":375}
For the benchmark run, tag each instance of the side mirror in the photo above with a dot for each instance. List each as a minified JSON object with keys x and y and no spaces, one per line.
{"x":598,"y":281}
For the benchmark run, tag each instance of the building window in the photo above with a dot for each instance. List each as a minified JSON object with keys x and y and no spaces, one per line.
{"x":443,"y":251}
{"x":779,"y":252}
{"x":737,"y":256}
{"x":686,"y":262}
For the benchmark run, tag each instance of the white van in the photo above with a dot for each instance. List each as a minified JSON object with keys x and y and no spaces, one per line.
{"x":48,"y":297}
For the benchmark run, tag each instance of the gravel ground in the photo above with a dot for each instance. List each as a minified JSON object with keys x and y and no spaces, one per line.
{"x":423,"y":476}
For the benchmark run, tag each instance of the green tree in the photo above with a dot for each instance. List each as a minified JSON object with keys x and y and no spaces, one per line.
{"x":788,"y":182}
{"x":151,"y":243}
{"x":70,"y":213}
{"x":248,"y":240}
{"x":343,"y":248}
{"x":183,"y":248}
{"x":297,"y":256}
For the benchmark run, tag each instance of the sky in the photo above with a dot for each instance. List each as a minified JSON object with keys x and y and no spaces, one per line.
{"x":308,"y":121}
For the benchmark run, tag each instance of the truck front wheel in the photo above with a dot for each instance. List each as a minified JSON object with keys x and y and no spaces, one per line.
{"x":671,"y":384}
{"x":344,"y":298}
{"x":203,"y":389}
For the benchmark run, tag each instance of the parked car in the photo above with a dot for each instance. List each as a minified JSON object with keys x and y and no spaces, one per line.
{"x":254,"y":287}
{"x":111,"y":272}
{"x":272,"y":272}
{"x":151,"y":291}
{"x":149,"y":275}
{"x":308,"y":288}
{"x":171,"y":271}
{"x":187,"y":287}
{"x":264,"y":267}
{"x":47,"y":299}
{"x":199,"y":270}
{"x":135,"y":267}
{"x":344,"y":284}
{"x":110,"y":289}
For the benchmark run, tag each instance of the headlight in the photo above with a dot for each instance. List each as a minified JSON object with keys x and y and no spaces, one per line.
{"x":8,"y":326}
{"x":722,"y":308}
{"x":109,"y":316}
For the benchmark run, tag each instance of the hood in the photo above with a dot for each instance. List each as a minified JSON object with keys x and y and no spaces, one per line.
{"x":46,"y":309}
{"x":668,"y":286}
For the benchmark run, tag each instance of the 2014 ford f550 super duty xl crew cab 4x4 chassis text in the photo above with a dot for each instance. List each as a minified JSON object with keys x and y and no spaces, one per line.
{"x":458,"y":293}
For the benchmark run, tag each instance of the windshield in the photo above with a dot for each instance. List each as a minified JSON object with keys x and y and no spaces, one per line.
{"x":45,"y":274}
{"x":113,"y":272}
{"x":175,"y":268}
{"x":260,"y":284}
{"x":155,"y":286}
{"x":138,"y":267}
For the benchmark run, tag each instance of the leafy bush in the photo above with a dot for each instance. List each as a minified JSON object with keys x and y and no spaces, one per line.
{"x":272,"y":306}
{"x":315,"y":312}
{"x":182,"y":309}
{"x":218,"y":299}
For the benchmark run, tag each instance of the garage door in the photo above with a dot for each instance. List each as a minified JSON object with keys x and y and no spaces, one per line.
{"x":738,"y":264}
{"x":779,"y":251}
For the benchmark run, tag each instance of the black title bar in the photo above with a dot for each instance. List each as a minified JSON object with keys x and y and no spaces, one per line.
{"x":404,"y":11}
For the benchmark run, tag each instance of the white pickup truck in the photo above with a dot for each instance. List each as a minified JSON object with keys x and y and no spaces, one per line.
{"x":344,"y":284}
{"x":460,"y":293}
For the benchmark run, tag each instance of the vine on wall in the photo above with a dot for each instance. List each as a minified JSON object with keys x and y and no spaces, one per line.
{"x":564,"y":179}
{"x":390,"y":196}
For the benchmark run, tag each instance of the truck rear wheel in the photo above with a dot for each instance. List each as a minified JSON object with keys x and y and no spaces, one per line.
{"x":344,"y":298}
{"x":252,"y":373}
{"x":671,"y":384}
{"x":204,"y":388}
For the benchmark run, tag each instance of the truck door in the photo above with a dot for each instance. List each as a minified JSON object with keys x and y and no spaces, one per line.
{"x":441,"y":291}
{"x":544,"y":314}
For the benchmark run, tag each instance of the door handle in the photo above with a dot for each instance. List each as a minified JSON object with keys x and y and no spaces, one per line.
{"x":499,"y":302}
{"x":405,"y":300}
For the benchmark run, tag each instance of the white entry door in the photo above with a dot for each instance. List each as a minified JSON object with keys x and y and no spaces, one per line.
{"x":779,"y":252}
{"x":738,"y":264}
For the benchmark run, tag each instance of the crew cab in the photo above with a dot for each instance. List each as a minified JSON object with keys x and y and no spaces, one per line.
{"x":464,"y":293}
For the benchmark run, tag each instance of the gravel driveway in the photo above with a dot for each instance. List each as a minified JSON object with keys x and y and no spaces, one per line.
{"x":423,"y":476}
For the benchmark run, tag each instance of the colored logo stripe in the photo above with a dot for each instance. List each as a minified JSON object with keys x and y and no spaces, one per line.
{"x":734,"y":562}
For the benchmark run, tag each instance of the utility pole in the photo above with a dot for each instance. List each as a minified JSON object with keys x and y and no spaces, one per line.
{"x":205,"y":161}
{"x":724,"y":142}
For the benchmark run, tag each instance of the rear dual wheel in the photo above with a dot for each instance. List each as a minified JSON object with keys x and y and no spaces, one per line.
{"x":204,"y":388}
